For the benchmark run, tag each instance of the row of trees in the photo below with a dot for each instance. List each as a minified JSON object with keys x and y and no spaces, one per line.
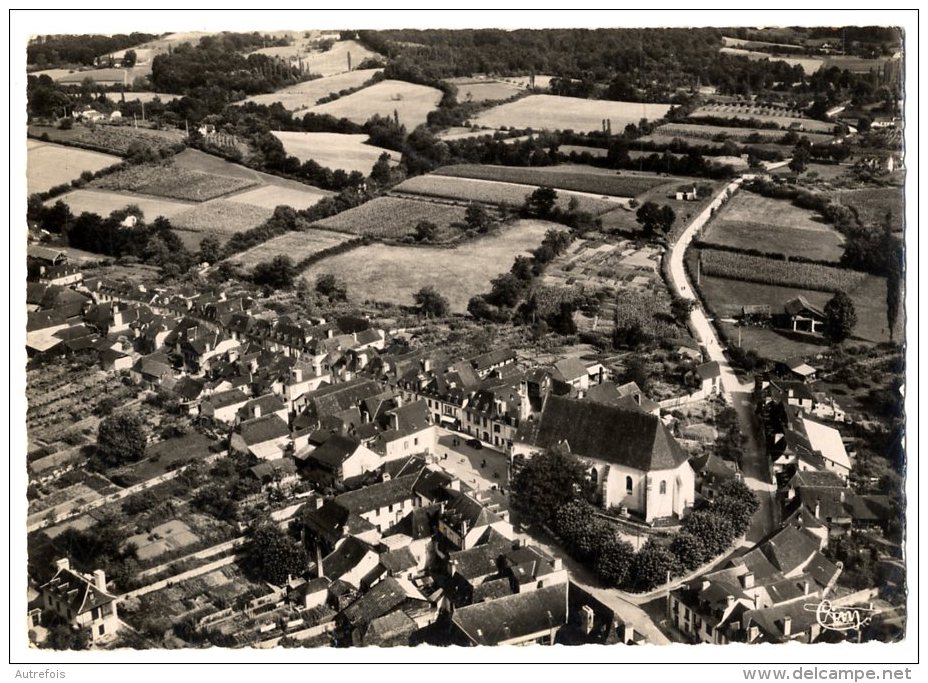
{"x":555,"y":489}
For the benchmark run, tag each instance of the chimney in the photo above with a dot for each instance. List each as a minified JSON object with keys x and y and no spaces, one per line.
{"x":586,"y":618}
{"x":99,"y":580}
{"x":805,"y":587}
{"x":753,"y":633}
{"x":818,"y":507}
{"x":256,"y":410}
{"x":63,"y":563}
{"x":747,"y":580}
{"x":296,"y":375}
{"x":319,"y":569}
{"x":628,"y":633}
{"x":558,"y":564}
{"x":729,"y":601}
{"x":842,"y":495}
{"x":787,"y":626}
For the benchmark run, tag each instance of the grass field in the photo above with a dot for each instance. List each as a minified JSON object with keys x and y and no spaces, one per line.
{"x":705,"y":133}
{"x":329,"y":63}
{"x":809,"y":64}
{"x":578,"y":178}
{"x":272,"y":196}
{"x":484,"y":90}
{"x":563,"y":113}
{"x":727,"y":297}
{"x":106,"y":76}
{"x":172,"y":182}
{"x":750,"y":221}
{"x":334,"y":150}
{"x":411,"y":102}
{"x":380,"y":272}
{"x":115,"y":139}
{"x":48,"y":165}
{"x":104,"y":203}
{"x":491,"y":192}
{"x":305,"y":95}
{"x":296,"y":245}
{"x":736,"y":162}
{"x":872,"y":203}
{"x":856,"y":64}
{"x":597,"y":152}
{"x":395,"y":217}
{"x":783,"y":118}
{"x":462,"y":133}
{"x":144,"y":97}
{"x":221,"y":216}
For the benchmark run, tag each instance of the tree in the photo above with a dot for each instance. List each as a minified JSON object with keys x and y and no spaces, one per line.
{"x":652,"y":565}
{"x":548,"y":481}
{"x":522,"y":268}
{"x":637,"y":372}
{"x":425,"y":231}
{"x":507,"y":290}
{"x":381,"y":172}
{"x":800,"y":160}
{"x":713,"y":529}
{"x":63,"y":637}
{"x":477,"y":217}
{"x":210,"y":250}
{"x":121,"y":438}
{"x":894,"y":273}
{"x":655,"y":220}
{"x":331,"y":287}
{"x":689,"y":550}
{"x":278,"y":273}
{"x":129,"y":59}
{"x":541,"y":202}
{"x":615,"y":561}
{"x":680,"y":309}
{"x":273,"y":556}
{"x":840,"y":318}
{"x":562,"y":322}
{"x":431,"y":304}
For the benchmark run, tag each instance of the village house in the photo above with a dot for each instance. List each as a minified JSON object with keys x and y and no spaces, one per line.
{"x":635,"y":462}
{"x":155,"y":370}
{"x":81,"y":601}
{"x":628,"y":396}
{"x":519,"y":619}
{"x":801,"y":316}
{"x":350,"y":561}
{"x":266,"y":438}
{"x":467,"y":518}
{"x":338,"y":460}
{"x":797,"y":442}
{"x":223,"y":406}
{"x":709,"y":376}
{"x":268,"y":404}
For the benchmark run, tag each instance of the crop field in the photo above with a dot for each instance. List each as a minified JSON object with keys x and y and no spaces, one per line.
{"x":106,"y":76}
{"x":221,"y":216}
{"x":597,"y":152}
{"x":856,"y":64}
{"x":395,"y":217}
{"x":491,"y":192}
{"x":564,"y":177}
{"x":704,"y":133}
{"x":104,"y":203}
{"x":775,"y":272}
{"x":296,"y":245}
{"x":872,"y":204}
{"x":380,"y":272}
{"x":782,"y":117}
{"x":568,"y":113}
{"x":306,"y":94}
{"x":334,"y":150}
{"x":411,"y":102}
{"x":172,"y":182}
{"x":462,"y":133}
{"x":272,"y":196}
{"x":809,"y":64}
{"x":484,"y":90}
{"x":114,"y":139}
{"x":48,"y":165}
{"x":329,"y":63}
{"x":144,"y":97}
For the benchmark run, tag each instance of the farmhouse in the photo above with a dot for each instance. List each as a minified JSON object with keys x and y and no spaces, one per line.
{"x":81,"y":601}
{"x":803,"y":316}
{"x":634,"y":460}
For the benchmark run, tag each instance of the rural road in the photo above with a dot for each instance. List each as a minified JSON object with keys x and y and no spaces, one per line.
{"x":755,"y":464}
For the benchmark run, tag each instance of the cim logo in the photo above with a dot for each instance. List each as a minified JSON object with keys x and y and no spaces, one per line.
{"x":839,"y":618}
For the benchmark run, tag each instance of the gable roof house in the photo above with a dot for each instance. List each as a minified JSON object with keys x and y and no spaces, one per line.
{"x":223,"y":406}
{"x":802,"y":443}
{"x":802,"y":316}
{"x":365,"y":621}
{"x":81,"y":601}
{"x":338,"y":460}
{"x":264,"y":437}
{"x":636,"y":463}
{"x":465,"y":519}
{"x":520,"y":619}
{"x":154,"y":369}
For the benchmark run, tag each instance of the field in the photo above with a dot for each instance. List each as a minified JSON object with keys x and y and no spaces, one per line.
{"x":809,"y":64}
{"x":143,"y":97}
{"x":462,"y":133}
{"x":873,"y":203}
{"x":394,"y":218}
{"x":221,"y":216}
{"x":334,"y":61}
{"x":782,"y":117}
{"x":568,"y":113}
{"x":106,"y":76}
{"x":104,"y":203}
{"x":487,"y":191}
{"x":48,"y":165}
{"x":305,"y":95}
{"x":172,"y":182}
{"x":272,"y":196}
{"x":379,"y":272}
{"x":736,"y":162}
{"x":296,"y":245}
{"x":750,"y":221}
{"x":856,"y":64}
{"x":411,"y":102}
{"x":334,"y":150}
{"x":712,"y":133}
{"x":727,"y":297}
{"x":578,"y":178}
{"x":774,"y":271}
{"x":484,"y":90}
{"x":597,"y":152}
{"x":107,"y":138}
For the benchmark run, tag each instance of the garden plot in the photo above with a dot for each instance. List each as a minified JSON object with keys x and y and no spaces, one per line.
{"x":172,"y":182}
{"x":49,"y":165}
{"x":221,"y":217}
{"x":161,"y":539}
{"x":297,"y":245}
{"x":304,"y":95}
{"x":578,"y":178}
{"x":334,"y":150}
{"x":617,"y":265}
{"x":411,"y":102}
{"x":568,"y":113}
{"x":110,"y":138}
{"x":104,"y":203}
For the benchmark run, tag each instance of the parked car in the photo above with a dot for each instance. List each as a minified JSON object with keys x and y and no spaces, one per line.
{"x":474,"y":443}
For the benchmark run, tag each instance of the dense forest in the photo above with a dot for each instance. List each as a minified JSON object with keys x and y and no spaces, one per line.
{"x":48,"y":51}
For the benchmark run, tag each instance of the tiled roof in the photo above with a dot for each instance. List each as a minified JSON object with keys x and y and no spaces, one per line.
{"x":379,"y":495}
{"x":514,"y":616}
{"x":263,"y":429}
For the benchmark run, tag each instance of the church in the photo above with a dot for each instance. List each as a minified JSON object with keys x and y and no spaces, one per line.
{"x":634,"y":461}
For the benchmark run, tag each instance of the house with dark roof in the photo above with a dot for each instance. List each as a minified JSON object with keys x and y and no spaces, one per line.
{"x":519,"y":619}
{"x":355,"y":622}
{"x":223,"y":406}
{"x":635,"y":462}
{"x":467,"y":518}
{"x":803,"y":316}
{"x":709,"y":376}
{"x":339,"y":459}
{"x":486,"y":363}
{"x":155,"y":370}
{"x":329,"y":522}
{"x":350,"y":562}
{"x":81,"y":601}
{"x":265,"y":437}
{"x":628,"y":396}
{"x":268,"y":404}
{"x":383,"y":504}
